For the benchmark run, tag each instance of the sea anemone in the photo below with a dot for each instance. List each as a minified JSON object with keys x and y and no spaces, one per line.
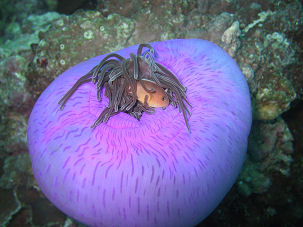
{"x":132,"y":168}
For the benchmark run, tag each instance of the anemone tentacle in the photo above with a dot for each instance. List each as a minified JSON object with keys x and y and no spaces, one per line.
{"x":111,"y":69}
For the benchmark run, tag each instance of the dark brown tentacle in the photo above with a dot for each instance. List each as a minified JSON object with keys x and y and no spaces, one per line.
{"x":100,"y":118}
{"x":101,"y":64}
{"x":141,"y":46}
{"x":113,"y":75}
{"x":126,"y":102}
{"x":119,"y":94}
{"x":136,"y":66}
{"x":84,"y":79}
{"x":110,"y":64}
{"x":131,"y":81}
{"x":171,"y":75}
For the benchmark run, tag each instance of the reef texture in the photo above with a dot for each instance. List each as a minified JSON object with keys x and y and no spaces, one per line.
{"x":264,"y":37}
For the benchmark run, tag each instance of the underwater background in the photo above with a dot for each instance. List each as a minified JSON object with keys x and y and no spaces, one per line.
{"x":40,"y":39}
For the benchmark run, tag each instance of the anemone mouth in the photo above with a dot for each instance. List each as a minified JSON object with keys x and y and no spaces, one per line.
{"x":120,"y":77}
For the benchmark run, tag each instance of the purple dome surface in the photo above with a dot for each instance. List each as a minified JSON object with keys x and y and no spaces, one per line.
{"x":151,"y":172}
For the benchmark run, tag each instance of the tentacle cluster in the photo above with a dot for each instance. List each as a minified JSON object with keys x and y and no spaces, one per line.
{"x":119,"y":77}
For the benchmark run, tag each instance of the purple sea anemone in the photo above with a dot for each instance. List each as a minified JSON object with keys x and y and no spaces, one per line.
{"x":151,"y":171}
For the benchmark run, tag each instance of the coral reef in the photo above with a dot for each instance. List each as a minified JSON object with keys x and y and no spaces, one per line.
{"x":268,"y":51}
{"x":264,"y":37}
{"x":269,"y":153}
{"x":72,"y":39}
